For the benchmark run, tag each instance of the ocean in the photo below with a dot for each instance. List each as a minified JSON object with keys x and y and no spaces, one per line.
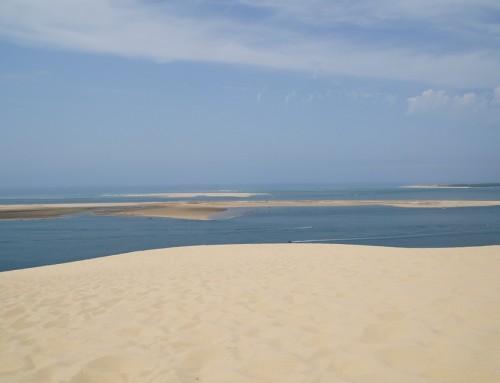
{"x":30,"y":243}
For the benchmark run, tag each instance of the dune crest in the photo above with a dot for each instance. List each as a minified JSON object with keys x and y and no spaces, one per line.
{"x":256,"y":313}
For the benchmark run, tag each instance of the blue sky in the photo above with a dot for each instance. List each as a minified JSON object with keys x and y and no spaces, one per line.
{"x":155,"y":92}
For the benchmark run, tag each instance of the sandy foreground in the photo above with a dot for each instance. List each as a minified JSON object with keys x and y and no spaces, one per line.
{"x":256,"y":313}
{"x":205,"y":210}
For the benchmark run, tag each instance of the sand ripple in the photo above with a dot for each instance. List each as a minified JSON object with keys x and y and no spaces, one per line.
{"x":256,"y":313}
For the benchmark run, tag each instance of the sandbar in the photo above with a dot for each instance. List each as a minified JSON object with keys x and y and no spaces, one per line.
{"x":256,"y":313}
{"x":206,"y":210}
{"x":435,"y":187}
{"x":38,"y":211}
{"x":454,"y":186}
{"x":192,"y":195}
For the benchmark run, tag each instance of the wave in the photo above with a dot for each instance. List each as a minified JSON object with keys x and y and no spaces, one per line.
{"x":299,"y":228}
{"x":392,"y":237}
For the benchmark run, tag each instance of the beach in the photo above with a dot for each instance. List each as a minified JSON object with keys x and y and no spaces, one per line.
{"x":206,"y":210}
{"x":256,"y":313}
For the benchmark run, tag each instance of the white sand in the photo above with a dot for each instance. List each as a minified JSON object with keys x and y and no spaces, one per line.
{"x":205,"y":210}
{"x":192,"y":195}
{"x":256,"y":313}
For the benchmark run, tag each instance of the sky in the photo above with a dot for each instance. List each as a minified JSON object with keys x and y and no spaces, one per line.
{"x":157,"y":92}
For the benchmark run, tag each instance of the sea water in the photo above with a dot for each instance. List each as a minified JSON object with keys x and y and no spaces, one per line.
{"x":29,"y":243}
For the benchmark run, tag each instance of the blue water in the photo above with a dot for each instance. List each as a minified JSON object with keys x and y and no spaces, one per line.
{"x":292,"y":192}
{"x":29,"y":243}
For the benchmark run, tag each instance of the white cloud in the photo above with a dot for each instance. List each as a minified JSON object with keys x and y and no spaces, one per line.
{"x":496,"y":97}
{"x":429,"y":100}
{"x":438,"y":100}
{"x":367,"y":12}
{"x":318,"y":36}
{"x":468,"y":100}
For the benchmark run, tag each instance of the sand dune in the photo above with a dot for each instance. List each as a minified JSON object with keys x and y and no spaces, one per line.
{"x":256,"y":313}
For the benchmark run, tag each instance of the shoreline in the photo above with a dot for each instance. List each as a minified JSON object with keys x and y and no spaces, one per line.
{"x":255,"y":313}
{"x":435,"y":187}
{"x":206,"y":210}
{"x":190,"y":195}
{"x":453,"y":186}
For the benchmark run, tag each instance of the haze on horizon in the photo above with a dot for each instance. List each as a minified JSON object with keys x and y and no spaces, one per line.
{"x":248,"y":91}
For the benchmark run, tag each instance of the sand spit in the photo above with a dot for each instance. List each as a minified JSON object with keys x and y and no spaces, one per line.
{"x":193,"y":195}
{"x":40,"y":213}
{"x":35,"y":211}
{"x":435,"y":187}
{"x":256,"y":313}
{"x":205,"y":210}
{"x":194,"y":211}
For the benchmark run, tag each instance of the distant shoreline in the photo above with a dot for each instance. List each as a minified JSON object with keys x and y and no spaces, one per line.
{"x":454,"y":186}
{"x":206,"y":210}
{"x":190,"y":195}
